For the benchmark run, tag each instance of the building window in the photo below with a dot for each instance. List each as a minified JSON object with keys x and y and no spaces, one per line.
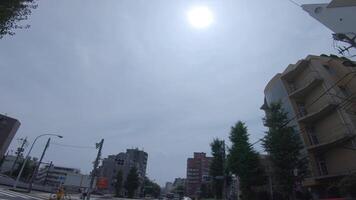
{"x":344,"y":91}
{"x":329,"y":69}
{"x":301,"y":108}
{"x":313,"y":139}
{"x":323,"y":170}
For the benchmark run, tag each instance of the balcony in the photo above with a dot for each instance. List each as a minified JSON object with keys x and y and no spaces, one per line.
{"x":295,"y":70}
{"x":337,"y":136}
{"x":303,"y":91}
{"x":314,"y":116}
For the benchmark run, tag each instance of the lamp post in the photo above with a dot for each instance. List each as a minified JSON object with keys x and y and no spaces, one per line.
{"x":27,"y":156}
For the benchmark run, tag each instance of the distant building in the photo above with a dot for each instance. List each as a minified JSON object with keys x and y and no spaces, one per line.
{"x":319,"y":94}
{"x":8,"y":129}
{"x":55,"y":175}
{"x":197,"y":173}
{"x":124,"y":162}
{"x":168,"y":187}
{"x":179,"y":182}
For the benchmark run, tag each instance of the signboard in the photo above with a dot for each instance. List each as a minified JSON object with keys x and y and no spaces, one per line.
{"x":102,"y":183}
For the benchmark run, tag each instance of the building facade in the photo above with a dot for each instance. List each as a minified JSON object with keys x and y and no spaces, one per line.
{"x":8,"y":129}
{"x":55,"y":175}
{"x":319,"y":95}
{"x":124,"y":162}
{"x":197,"y":173}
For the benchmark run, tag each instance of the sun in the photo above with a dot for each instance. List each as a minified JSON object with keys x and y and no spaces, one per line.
{"x":200,"y":17}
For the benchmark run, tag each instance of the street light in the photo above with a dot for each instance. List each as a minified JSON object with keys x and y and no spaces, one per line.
{"x":27,"y":156}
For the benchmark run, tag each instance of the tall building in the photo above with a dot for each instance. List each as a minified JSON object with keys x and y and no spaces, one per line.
{"x":124,"y":162}
{"x":197,"y":173}
{"x":8,"y":129}
{"x":319,"y":95}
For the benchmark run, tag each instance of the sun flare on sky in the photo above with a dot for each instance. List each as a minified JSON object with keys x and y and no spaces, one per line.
{"x":200,"y":17}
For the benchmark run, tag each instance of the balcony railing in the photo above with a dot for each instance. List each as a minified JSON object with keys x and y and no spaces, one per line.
{"x":334,"y":137}
{"x":310,"y":117}
{"x":298,"y":68}
{"x":300,"y":92}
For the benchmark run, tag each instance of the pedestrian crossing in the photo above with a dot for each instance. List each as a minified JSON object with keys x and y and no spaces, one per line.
{"x":11,"y":195}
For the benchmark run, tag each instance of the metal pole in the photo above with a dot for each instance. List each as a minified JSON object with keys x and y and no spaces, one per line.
{"x":96,"y":163}
{"x":19,"y":151}
{"x":38,"y":166}
{"x":27,"y":156}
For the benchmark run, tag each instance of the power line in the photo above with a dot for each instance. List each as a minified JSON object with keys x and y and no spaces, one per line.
{"x":295,"y":3}
{"x":73,"y":146}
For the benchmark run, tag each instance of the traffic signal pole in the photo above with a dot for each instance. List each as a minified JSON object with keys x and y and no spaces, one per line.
{"x":99,"y":146}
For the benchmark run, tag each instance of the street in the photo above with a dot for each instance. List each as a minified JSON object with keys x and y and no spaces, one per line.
{"x":6,"y":194}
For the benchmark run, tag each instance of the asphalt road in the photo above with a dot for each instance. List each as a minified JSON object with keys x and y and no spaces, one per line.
{"x":11,"y":195}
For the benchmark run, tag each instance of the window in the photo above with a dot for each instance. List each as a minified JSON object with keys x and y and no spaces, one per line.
{"x":323,"y":170}
{"x":329,"y":69}
{"x":344,"y":91}
{"x":313,"y":139}
{"x":301,"y":108}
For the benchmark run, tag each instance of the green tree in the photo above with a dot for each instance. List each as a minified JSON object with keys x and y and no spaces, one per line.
{"x":27,"y":170}
{"x":119,"y":183}
{"x":283,"y":145}
{"x":13,"y":11}
{"x":217,"y":167}
{"x":132,"y":182}
{"x":244,"y":161}
{"x":151,"y":188}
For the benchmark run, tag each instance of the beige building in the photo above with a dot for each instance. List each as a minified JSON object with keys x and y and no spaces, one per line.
{"x":319,"y":95}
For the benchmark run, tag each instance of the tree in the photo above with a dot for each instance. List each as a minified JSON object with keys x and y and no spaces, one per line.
{"x":244,"y":161}
{"x":118,"y":184}
{"x":27,"y":170}
{"x":283,"y":145}
{"x":132,"y":182}
{"x":151,"y":188}
{"x":13,"y":11}
{"x":217,"y":167}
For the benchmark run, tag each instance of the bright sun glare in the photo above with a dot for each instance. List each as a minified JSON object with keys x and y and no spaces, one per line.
{"x":200,"y":17}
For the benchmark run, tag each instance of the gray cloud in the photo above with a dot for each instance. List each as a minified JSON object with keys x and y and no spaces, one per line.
{"x":136,"y":74}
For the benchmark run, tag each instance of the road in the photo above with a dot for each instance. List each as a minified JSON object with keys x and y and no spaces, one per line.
{"x":6,"y":194}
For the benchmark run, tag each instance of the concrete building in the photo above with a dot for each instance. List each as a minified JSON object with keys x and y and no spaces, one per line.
{"x":55,"y":175}
{"x":197,"y":173}
{"x":124,"y":162}
{"x":319,"y":95}
{"x":339,"y":16}
{"x":8,"y":129}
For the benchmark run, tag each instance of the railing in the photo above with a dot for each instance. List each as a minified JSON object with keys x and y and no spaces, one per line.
{"x":308,"y":79}
{"x":337,"y":133}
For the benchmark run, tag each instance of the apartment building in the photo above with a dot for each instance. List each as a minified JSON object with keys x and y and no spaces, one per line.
{"x":318,"y":93}
{"x":197,"y":173}
{"x":8,"y":129}
{"x":124,"y":162}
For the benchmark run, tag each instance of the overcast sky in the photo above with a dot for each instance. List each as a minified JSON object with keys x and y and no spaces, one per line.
{"x":137,"y":74}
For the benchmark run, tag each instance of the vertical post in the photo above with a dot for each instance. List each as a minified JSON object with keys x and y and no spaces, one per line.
{"x":19,"y":151}
{"x":99,"y":146}
{"x":38,"y":166}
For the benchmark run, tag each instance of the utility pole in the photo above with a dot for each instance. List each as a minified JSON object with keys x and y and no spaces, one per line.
{"x":99,"y":146}
{"x":38,"y":165}
{"x":18,"y":153}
